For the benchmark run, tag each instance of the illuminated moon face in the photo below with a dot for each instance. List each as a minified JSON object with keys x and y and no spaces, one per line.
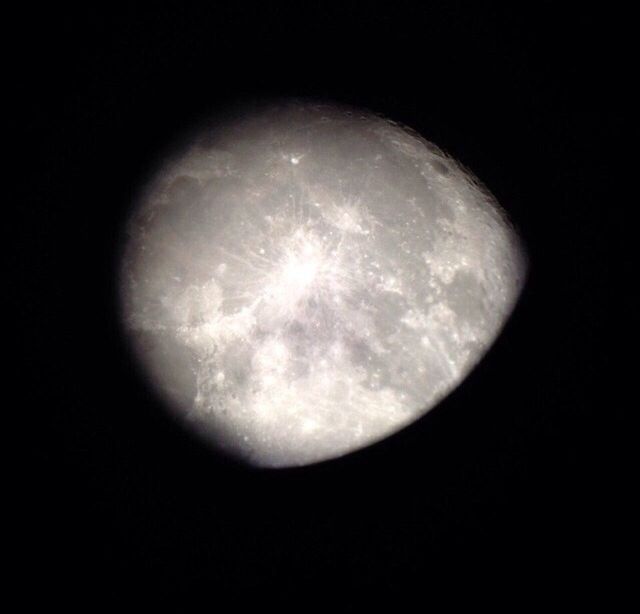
{"x":306,"y":280}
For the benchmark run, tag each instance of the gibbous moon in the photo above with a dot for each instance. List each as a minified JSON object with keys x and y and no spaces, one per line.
{"x":302,"y":280}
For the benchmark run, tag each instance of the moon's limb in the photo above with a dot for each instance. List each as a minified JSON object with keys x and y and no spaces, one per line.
{"x":306,"y":281}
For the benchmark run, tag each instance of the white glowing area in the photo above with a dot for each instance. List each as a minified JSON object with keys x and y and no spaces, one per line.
{"x":306,"y":283}
{"x":302,"y":271}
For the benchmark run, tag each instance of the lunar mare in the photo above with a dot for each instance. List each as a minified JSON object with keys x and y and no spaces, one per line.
{"x":306,"y":280}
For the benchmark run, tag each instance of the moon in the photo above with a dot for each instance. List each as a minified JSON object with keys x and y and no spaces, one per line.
{"x":301,"y":280}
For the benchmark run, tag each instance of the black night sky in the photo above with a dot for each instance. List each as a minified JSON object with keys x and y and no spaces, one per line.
{"x":517,"y":483}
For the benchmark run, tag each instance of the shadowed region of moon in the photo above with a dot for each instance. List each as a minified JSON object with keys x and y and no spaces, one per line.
{"x":303,"y":280}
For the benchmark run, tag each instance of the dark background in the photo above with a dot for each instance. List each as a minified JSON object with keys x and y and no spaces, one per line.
{"x":518,"y":481}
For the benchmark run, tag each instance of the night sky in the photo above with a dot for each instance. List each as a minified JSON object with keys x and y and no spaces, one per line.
{"x":518,"y":481}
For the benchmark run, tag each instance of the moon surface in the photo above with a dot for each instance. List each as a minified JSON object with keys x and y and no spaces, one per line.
{"x":302,"y":280}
